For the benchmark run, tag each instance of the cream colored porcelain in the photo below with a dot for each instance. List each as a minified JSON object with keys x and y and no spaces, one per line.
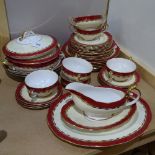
{"x":120,"y":69}
{"x":88,"y":37}
{"x":41,"y":83}
{"x":113,"y":137}
{"x":84,"y":123}
{"x":100,"y":40}
{"x":31,"y":43}
{"x":91,"y":100}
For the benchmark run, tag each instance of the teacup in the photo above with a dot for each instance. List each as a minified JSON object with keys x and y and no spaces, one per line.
{"x":88,"y":27}
{"x":100,"y":102}
{"x":120,"y":69}
{"x":41,"y":83}
{"x":76,"y":69}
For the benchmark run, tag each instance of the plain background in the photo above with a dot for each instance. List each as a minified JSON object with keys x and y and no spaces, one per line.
{"x":132,"y":22}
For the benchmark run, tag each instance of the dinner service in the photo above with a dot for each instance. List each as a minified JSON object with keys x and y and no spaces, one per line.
{"x":23,"y":98}
{"x":120,"y":69}
{"x":120,"y":134}
{"x":88,"y":27}
{"x":41,"y":83}
{"x":103,"y":79}
{"x":75,"y":119}
{"x":99,"y":103}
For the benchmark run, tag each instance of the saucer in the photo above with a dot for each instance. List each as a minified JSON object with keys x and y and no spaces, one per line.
{"x":76,"y":119}
{"x":104,"y":38}
{"x":103,"y":80}
{"x":125,"y":133}
{"x":26,"y":101}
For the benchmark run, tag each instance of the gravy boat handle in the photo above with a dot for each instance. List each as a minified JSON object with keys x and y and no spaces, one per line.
{"x":130,"y":95}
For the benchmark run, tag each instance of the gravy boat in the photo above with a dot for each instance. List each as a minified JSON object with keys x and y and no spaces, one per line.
{"x":101,"y":102}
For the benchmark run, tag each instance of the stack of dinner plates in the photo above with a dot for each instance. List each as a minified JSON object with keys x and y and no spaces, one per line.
{"x":31,"y":52}
{"x":96,"y":51}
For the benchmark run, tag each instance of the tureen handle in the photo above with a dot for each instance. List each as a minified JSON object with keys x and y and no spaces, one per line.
{"x":130,"y":95}
{"x":71,"y":21}
{"x":26,"y":34}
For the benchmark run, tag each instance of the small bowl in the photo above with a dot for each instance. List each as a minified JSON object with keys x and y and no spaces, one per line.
{"x":120,"y":69}
{"x":76,"y":69}
{"x":88,"y":27}
{"x":41,"y":83}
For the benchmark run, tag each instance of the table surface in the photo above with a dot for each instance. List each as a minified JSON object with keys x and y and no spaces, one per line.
{"x":28,"y":133}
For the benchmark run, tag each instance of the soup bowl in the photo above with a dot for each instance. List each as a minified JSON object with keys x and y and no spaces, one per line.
{"x":120,"y":69}
{"x":41,"y":83}
{"x":100,"y":102}
{"x":76,"y":69}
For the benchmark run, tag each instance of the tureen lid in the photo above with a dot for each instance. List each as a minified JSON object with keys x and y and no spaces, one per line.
{"x":29,"y":44}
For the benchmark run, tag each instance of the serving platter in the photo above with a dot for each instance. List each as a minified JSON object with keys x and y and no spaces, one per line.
{"x":75,"y":118}
{"x":123,"y":134}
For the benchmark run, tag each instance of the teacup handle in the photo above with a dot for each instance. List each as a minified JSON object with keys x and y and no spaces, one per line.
{"x":129,"y":95}
{"x":33,"y":95}
{"x":104,"y":27}
{"x":110,"y":76}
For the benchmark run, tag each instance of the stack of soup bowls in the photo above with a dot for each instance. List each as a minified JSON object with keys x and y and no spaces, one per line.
{"x":40,"y":89}
{"x":90,"y":41}
{"x":119,"y":72}
{"x":31,"y":52}
{"x":75,"y":69}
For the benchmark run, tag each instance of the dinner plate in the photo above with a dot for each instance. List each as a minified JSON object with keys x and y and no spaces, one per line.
{"x":103,"y":79}
{"x":74,"y":118}
{"x":68,"y":53}
{"x":125,"y":133}
{"x":22,"y":72}
{"x":26,"y":101}
{"x":49,"y":58}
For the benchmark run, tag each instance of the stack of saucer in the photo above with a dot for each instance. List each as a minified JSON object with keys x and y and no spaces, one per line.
{"x":97,"y":116}
{"x":40,"y":90}
{"x":75,"y":69}
{"x":119,"y":72}
{"x":31,"y":52}
{"x":90,"y":42}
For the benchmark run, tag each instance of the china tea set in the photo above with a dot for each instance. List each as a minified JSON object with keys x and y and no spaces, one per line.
{"x":84,"y":115}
